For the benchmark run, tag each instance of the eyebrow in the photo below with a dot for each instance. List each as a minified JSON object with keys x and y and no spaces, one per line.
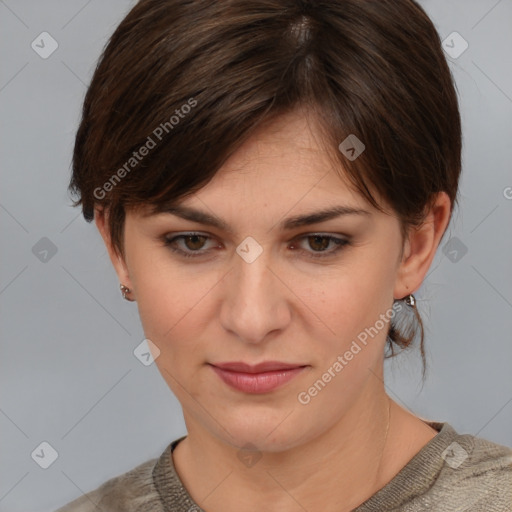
{"x":194,"y":215}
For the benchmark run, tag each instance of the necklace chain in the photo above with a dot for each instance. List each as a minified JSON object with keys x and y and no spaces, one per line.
{"x":385,"y":440}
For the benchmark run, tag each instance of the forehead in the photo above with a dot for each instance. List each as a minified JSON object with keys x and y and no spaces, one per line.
{"x":287,"y":153}
{"x":285,"y":166}
{"x":295,"y":135}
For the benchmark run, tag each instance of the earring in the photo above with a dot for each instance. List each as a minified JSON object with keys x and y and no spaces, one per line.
{"x":124,"y":291}
{"x":410,"y":300}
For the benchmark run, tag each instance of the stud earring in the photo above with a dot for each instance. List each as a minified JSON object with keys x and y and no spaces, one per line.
{"x":124,"y":291}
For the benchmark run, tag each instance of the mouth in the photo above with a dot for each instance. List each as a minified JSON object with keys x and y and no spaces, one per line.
{"x":265,"y":366}
{"x":261,"y":378}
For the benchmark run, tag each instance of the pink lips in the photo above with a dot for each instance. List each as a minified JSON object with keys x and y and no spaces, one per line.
{"x":260,"y":378}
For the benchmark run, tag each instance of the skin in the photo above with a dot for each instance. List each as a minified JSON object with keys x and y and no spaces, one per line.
{"x":332,"y":453}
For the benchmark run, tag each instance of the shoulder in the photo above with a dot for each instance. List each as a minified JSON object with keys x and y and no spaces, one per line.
{"x":470,"y":458}
{"x":475,"y":473}
{"x":129,"y":492}
{"x":483,"y":469}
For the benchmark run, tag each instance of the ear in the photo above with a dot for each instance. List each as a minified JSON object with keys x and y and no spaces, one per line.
{"x":421,"y":246}
{"x":118,"y":261}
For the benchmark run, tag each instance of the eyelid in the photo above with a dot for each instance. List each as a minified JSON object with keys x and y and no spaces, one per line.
{"x":171,"y":238}
{"x":340,"y":240}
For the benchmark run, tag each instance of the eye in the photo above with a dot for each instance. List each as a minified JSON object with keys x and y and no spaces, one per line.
{"x":319,"y":243}
{"x":191,"y":245}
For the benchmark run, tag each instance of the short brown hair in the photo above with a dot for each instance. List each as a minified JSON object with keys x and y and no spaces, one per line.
{"x":209,"y":72}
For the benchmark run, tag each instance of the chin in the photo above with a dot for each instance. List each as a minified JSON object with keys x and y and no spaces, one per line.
{"x":264,"y":435}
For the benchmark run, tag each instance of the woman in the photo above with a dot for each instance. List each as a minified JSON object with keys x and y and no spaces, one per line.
{"x":272,"y":180}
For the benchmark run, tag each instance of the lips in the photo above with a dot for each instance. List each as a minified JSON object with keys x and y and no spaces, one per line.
{"x":256,"y":379}
{"x":266,"y":366}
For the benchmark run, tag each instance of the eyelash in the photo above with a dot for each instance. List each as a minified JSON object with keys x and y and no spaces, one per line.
{"x":340,"y":243}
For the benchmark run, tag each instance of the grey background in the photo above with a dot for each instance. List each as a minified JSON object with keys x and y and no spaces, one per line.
{"x":68,"y":373}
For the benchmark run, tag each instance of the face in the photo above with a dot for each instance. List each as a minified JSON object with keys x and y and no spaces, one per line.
{"x":298,"y":294}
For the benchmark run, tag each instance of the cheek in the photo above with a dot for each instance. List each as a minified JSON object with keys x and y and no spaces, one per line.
{"x":350,"y":298}
{"x":169,"y":316}
{"x":168,"y":308}
{"x":174,"y":304}
{"x":350,"y":306}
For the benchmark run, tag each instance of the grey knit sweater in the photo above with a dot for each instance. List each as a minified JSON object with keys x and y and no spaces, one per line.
{"x":452,"y":472}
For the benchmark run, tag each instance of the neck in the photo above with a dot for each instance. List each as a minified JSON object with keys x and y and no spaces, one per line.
{"x":343,"y":465}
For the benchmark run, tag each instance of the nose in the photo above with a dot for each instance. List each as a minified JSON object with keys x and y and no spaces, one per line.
{"x":255,"y":300}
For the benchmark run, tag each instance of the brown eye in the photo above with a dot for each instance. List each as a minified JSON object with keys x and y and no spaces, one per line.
{"x":192,"y":245}
{"x":318,"y":245}
{"x":194,"y":242}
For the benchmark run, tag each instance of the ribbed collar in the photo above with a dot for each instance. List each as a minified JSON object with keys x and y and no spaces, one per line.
{"x":416,"y":477}
{"x":420,"y":473}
